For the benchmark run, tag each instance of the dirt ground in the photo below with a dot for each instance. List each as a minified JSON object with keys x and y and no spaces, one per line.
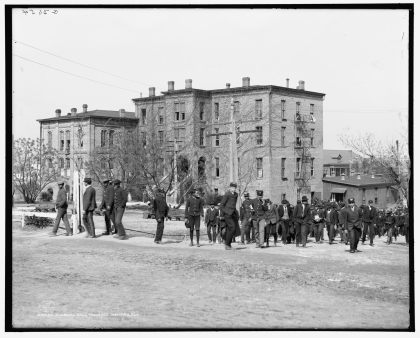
{"x":74,"y":282}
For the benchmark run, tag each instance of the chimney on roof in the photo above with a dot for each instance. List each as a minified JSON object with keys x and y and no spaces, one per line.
{"x":171,"y":85}
{"x":57,"y":113}
{"x":151,"y":91}
{"x":85,"y":108}
{"x":343,"y":177}
{"x":287,"y":83}
{"x":302,"y":85}
{"x":73,"y":111}
{"x":373,"y":175}
{"x":122,"y":112}
{"x":358,"y":176}
{"x":227,"y":85}
{"x":188,"y":84}
{"x":246,"y":81}
{"x":141,"y":95}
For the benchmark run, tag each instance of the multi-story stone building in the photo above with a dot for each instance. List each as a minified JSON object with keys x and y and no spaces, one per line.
{"x":281,"y":155}
{"x":75,"y":135}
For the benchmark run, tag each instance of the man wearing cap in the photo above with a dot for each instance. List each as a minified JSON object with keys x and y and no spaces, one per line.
{"x":389,"y":225}
{"x":291,"y":237}
{"x":108,"y":205}
{"x":120,"y":202}
{"x":272,"y":221}
{"x":258,"y":218}
{"x":341,"y":220}
{"x":61,"y":206}
{"x":161,"y":212}
{"x":331,"y":220}
{"x":89,"y":204}
{"x":302,"y":215}
{"x":228,"y":209}
{"x":246,"y":219}
{"x":353,"y":224}
{"x":210,"y":220}
{"x":285,"y":215}
{"x":318,"y":218}
{"x":194,"y":212}
{"x":369,"y":222}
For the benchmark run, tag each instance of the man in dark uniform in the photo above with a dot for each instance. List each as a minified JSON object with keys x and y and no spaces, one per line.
{"x":228,"y":208}
{"x":291,"y":237}
{"x":210,"y":220}
{"x":369,"y":222}
{"x":108,"y":205}
{"x":389,"y":225}
{"x":318,"y":218}
{"x":246,"y":219}
{"x":61,"y":206}
{"x":89,"y":204}
{"x":271,"y":221}
{"x":353,"y":224}
{"x":285,"y":216}
{"x":301,"y":216}
{"x":258,"y":218}
{"x":193,"y":211}
{"x":341,"y":220}
{"x":120,"y":201}
{"x":331,"y":220}
{"x":161,"y":212}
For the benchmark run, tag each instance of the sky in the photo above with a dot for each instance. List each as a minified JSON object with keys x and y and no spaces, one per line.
{"x":358,"y":58}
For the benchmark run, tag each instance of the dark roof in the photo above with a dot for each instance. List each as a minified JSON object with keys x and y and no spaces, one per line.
{"x":330,"y":156}
{"x":365,"y":180}
{"x":97,"y":113}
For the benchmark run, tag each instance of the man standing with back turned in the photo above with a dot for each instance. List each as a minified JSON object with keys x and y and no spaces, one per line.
{"x":89,"y":204}
{"x":228,"y":208}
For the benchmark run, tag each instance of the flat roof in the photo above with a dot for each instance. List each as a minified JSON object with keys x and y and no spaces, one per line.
{"x":365,"y":180}
{"x":94,"y":113}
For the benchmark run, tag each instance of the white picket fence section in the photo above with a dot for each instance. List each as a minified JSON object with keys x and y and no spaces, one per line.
{"x":43,"y":214}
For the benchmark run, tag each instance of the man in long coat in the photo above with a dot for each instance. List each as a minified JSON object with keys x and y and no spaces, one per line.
{"x":285,"y":215}
{"x":258,"y":218}
{"x":61,"y":205}
{"x":89,"y":204}
{"x":331,"y":221}
{"x":301,"y":216}
{"x":161,"y":212}
{"x":228,"y":208}
{"x":353,"y":224}
{"x":108,"y":205}
{"x":369,"y":222}
{"x":193,"y":213}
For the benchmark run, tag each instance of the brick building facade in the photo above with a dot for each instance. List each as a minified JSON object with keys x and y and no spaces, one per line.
{"x":269,"y":157}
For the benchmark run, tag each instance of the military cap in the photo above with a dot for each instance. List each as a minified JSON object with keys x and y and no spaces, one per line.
{"x":370,"y":201}
{"x":268,"y":200}
{"x":105,"y":180}
{"x":117,"y":181}
{"x":351,"y":200}
{"x":246,"y":194}
{"x":232,"y":184}
{"x":304,"y":199}
{"x":211,"y":202}
{"x":60,"y":182}
{"x":284,"y":202}
{"x":362,"y":206}
{"x":88,"y":180}
{"x":260,"y":192}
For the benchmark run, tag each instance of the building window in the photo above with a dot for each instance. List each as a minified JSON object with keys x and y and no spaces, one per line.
{"x":143,"y":117}
{"x":201,"y":111}
{"x":283,"y":109}
{"x":143,"y":139}
{"x":202,"y":137}
{"x":80,"y":162}
{"x":216,"y":191}
{"x":387,"y":194}
{"x":376,"y":195}
{"x":259,"y":167}
{"x":283,"y":132}
{"x":67,"y":163}
{"x":283,"y":168}
{"x":311,"y":111}
{"x":298,"y":167}
{"x":182,"y":107}
{"x":364,"y":196}
{"x":238,"y":135}
{"x":80,"y":138}
{"x":103,"y":138}
{"x":312,"y":167}
{"x":298,"y":193}
{"x":61,"y":140}
{"x":217,"y":139}
{"x":258,"y":109}
{"x":177,"y":112}
{"x":297,"y":108}
{"x":180,"y":135}
{"x":160,"y":133}
{"x":312,"y":137}
{"x":160,"y":114}
{"x":103,"y":164}
{"x":283,"y":197}
{"x":259,"y":135}
{"x":217,"y":167}
{"x":236,"y":108}
{"x":49,"y":139}
{"x":50,"y":164}
{"x":111,"y":163}
{"x":111,"y":137}
{"x":332,"y":171}
{"x":161,"y":169}
{"x":216,"y":111}
{"x":67,"y":140}
{"x":61,"y":163}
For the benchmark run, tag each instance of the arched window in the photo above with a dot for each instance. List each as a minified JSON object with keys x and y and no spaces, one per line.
{"x":67,"y":163}
{"x":201,"y":167}
{"x":80,"y":162}
{"x":103,"y":138}
{"x":61,"y":163}
{"x":67,"y":139}
{"x":61,"y":140}
{"x":111,"y":137}
{"x":80,"y":138}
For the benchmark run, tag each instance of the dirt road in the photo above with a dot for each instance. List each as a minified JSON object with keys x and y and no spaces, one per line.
{"x":73,"y":282}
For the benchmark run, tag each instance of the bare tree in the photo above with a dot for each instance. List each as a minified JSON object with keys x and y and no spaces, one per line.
{"x":35,"y":166}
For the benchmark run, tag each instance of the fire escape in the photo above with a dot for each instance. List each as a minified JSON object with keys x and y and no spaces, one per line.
{"x":302,"y":149}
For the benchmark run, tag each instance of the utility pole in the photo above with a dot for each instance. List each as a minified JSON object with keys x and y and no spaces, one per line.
{"x":175,"y":171}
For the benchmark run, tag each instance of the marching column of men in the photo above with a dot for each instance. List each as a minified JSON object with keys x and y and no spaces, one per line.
{"x":259,"y":217}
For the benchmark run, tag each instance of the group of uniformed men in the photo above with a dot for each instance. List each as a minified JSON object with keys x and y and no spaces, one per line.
{"x":113,"y":204}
